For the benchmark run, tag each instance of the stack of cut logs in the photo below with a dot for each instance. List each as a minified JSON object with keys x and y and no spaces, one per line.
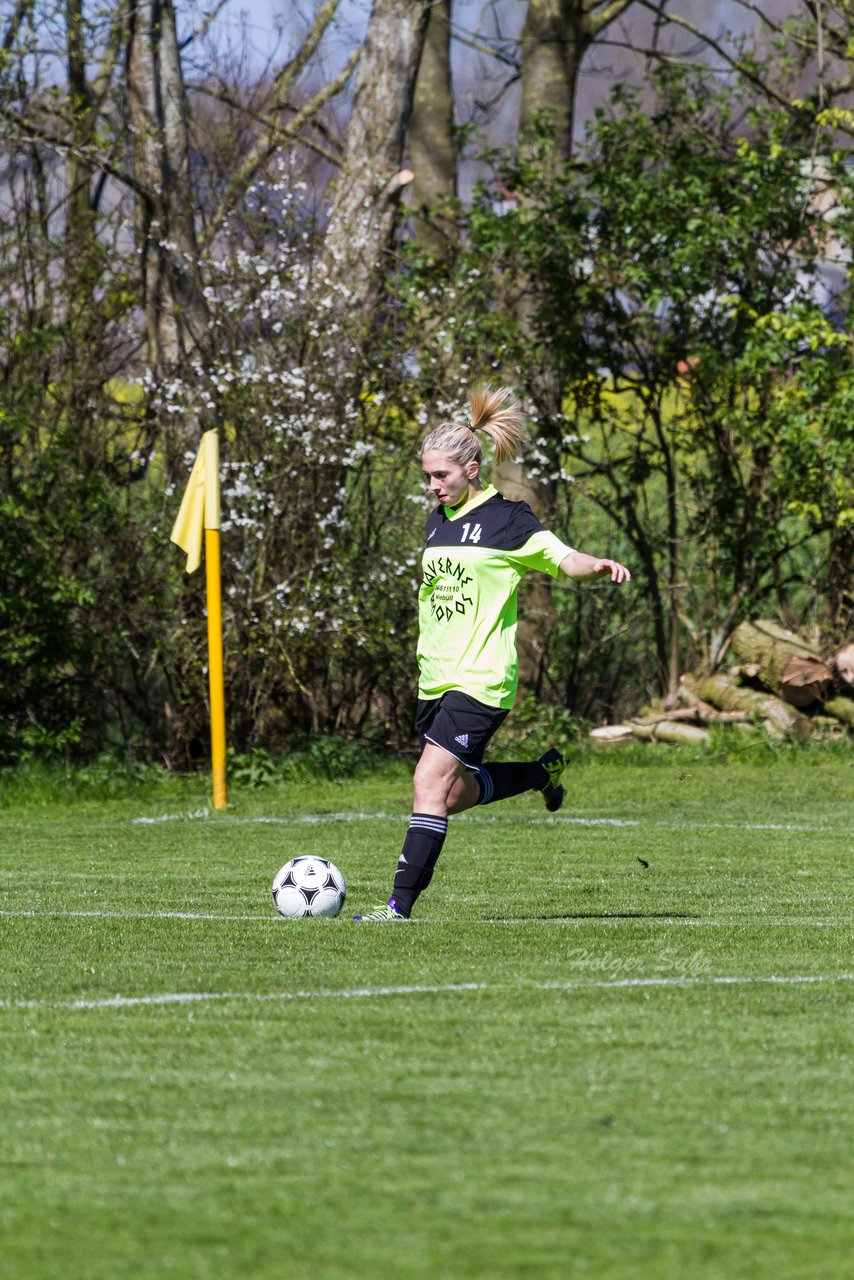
{"x":779,"y":684}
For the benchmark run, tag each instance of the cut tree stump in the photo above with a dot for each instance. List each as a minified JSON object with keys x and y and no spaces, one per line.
{"x":726,"y":695}
{"x":805,"y":681}
{"x":611,"y":735}
{"x":768,"y":646}
{"x":686,"y":697}
{"x":841,"y":709}
{"x":697,"y":712}
{"x":673,"y":731}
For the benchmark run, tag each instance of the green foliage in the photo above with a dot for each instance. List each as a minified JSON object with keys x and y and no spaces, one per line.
{"x":662,"y":304}
{"x":534,"y":726}
{"x":319,"y":535}
{"x":659,"y":305}
{"x":81,"y":575}
{"x":40,"y":782}
{"x":102,"y":639}
{"x":79,"y":587}
{"x":321,"y":758}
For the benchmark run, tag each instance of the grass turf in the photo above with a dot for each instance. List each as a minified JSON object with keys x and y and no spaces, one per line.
{"x":570,"y":1064}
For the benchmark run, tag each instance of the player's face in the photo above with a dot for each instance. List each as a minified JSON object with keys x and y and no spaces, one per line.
{"x":447,"y":479}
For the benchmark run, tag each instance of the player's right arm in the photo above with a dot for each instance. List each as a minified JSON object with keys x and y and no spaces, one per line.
{"x":584,"y":568}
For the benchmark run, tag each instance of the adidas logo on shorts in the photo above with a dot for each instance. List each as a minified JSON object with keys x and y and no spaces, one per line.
{"x":462,"y":739}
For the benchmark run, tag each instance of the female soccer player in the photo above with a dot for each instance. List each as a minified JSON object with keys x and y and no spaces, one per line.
{"x":478,"y":547}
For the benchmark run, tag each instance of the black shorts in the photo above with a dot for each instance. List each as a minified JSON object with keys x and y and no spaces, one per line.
{"x":458,"y":724}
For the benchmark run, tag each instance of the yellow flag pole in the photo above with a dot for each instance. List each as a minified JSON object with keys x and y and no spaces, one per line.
{"x":215,"y":673}
{"x":214,"y":598}
{"x":200,"y":510}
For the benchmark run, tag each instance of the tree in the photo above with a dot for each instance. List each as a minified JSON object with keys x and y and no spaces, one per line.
{"x":555,"y":39}
{"x":371,"y":176}
{"x":280,"y":121}
{"x":431,"y":131}
{"x":175,"y":308}
{"x":798,"y":55}
{"x":77,"y":571}
{"x":114,"y":351}
{"x":160,"y":261}
{"x":671,"y":286}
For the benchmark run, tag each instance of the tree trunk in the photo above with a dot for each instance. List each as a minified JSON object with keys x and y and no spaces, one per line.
{"x":367,"y":190}
{"x":431,"y":132}
{"x":83,"y":254}
{"x":555,"y":38}
{"x":552,"y":49}
{"x":670,"y":677}
{"x":79,"y":218}
{"x":176,"y":313}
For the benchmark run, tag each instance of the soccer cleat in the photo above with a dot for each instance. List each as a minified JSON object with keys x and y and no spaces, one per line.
{"x":385,"y":911}
{"x":553,"y":793}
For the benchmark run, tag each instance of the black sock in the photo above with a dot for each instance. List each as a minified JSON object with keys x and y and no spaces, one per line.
{"x":501,"y":781}
{"x":418,"y":857}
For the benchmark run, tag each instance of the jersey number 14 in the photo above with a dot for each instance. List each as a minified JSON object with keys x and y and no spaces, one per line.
{"x":474,"y":536}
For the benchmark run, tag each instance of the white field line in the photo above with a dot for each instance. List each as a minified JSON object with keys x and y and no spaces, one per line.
{"x":571,"y":921}
{"x":49,"y":913}
{"x":318,"y":819}
{"x":451,"y":988}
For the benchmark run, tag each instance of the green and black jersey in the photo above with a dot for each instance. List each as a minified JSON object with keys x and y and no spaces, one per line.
{"x":472,"y":566}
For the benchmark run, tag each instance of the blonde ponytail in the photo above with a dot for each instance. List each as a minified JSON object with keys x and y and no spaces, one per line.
{"x":496,"y":414}
{"x":499,"y":416}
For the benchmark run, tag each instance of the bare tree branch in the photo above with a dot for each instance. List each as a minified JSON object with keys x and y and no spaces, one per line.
{"x":596,"y":18}
{"x":205,"y":25}
{"x":22,"y":9}
{"x":284,"y":79}
{"x":761,"y":15}
{"x":100,"y":86}
{"x":481,"y":44}
{"x":278,"y":133}
{"x":733,"y":60}
{"x":28,"y":128}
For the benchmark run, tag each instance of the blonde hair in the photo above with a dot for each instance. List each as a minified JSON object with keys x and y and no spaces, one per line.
{"x":496,"y":413}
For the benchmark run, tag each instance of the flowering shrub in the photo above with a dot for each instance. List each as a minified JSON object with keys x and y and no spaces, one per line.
{"x":322,"y":504}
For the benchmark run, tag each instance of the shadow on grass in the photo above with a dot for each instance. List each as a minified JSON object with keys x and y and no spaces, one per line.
{"x":598,"y":915}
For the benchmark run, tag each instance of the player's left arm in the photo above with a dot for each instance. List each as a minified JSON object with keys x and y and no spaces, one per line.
{"x":585,"y":568}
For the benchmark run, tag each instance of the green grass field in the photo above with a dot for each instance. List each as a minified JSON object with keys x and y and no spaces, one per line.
{"x":569,"y":1065}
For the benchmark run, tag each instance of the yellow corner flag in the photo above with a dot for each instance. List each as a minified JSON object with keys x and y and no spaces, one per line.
{"x":200,"y":505}
{"x":200,"y":510}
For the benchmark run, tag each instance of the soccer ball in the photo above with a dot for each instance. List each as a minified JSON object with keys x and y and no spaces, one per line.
{"x":309,"y":886}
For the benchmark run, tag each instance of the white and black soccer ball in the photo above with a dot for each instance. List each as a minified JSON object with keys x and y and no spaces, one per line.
{"x":309,"y":886}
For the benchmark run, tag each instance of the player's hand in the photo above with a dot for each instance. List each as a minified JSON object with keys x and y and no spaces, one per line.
{"x":618,"y":572}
